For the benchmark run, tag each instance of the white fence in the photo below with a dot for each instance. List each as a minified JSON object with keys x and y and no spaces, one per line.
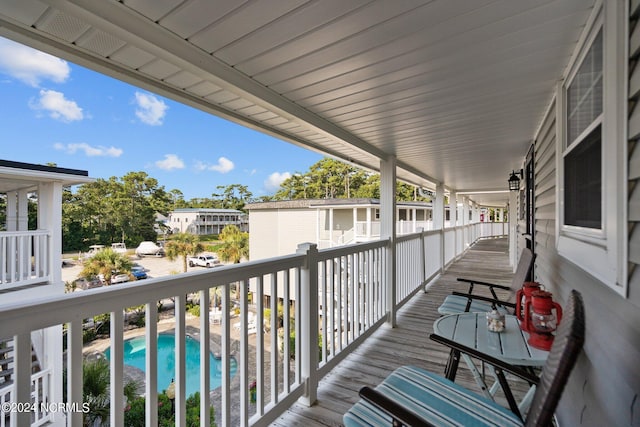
{"x":331,"y":300}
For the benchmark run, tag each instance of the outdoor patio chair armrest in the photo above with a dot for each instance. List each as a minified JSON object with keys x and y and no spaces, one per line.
{"x":492,"y":286}
{"x":400,"y":414}
{"x":486,"y":299}
{"x":478,"y":282}
{"x":497,"y":363}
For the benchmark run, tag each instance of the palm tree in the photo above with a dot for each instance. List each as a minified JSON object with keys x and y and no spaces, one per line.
{"x":106,"y":262}
{"x":183,"y":245}
{"x":95,"y":391}
{"x":234,"y":247}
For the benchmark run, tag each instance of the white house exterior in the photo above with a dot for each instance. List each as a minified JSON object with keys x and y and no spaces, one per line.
{"x":30,"y":268}
{"x":450,"y":96}
{"x":201,"y":221}
{"x":278,"y":227}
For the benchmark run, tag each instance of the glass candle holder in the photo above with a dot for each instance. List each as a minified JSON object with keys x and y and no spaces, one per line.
{"x":495,"y":321}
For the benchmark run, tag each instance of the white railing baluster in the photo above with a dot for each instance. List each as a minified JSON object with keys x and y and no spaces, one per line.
{"x":324,"y":300}
{"x":180,"y":339}
{"x":286,"y":326}
{"x":205,"y":364}
{"x":74,"y":370}
{"x":352,"y":284}
{"x":244,"y":356}
{"x":259,"y":347}
{"x":298,"y":327}
{"x":331,"y":333}
{"x":151,"y":364}
{"x":273,"y":330}
{"x":117,"y":369}
{"x":225,"y":352}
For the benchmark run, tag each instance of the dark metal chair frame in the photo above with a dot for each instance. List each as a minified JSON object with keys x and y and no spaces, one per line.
{"x":555,"y":373}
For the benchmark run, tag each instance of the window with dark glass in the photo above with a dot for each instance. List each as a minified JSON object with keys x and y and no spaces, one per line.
{"x":583,"y":183}
{"x":583,"y":159}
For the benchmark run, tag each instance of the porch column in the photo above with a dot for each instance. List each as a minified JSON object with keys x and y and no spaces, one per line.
{"x":12,"y":211}
{"x":453,"y":209}
{"x":388,"y":230}
{"x":23,"y":210}
{"x":438,"y":221}
{"x":368,"y":225}
{"x":50,"y":219}
{"x":466,"y":234}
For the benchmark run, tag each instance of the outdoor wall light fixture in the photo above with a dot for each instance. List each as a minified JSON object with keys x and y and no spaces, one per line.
{"x":514,"y":181}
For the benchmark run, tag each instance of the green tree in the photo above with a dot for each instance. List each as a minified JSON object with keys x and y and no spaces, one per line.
{"x":183,"y":245}
{"x":235,"y":244}
{"x":233,"y":196}
{"x":95,"y":391}
{"x":106,"y":263}
{"x":111,"y":210}
{"x":234,"y":247}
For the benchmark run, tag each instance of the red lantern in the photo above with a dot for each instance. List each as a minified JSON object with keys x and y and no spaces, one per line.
{"x":541,"y":322}
{"x":522,"y":296}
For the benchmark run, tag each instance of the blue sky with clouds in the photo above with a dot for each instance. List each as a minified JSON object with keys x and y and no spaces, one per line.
{"x":56,"y":111}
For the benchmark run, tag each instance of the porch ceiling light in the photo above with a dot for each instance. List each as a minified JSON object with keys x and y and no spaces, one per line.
{"x":514,"y":181}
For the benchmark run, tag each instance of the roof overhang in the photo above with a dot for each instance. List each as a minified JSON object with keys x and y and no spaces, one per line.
{"x":454,"y":91}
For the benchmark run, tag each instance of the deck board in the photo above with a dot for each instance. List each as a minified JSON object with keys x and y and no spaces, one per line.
{"x":406,"y":344}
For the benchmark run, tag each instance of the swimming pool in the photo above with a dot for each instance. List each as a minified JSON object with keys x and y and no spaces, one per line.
{"x":135,"y":353}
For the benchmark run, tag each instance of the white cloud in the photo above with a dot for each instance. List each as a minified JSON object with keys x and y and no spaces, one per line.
{"x":31,"y":66}
{"x":170,"y":162}
{"x":224,"y":165}
{"x":275,"y":179}
{"x":151,"y":110}
{"x":89,"y":150}
{"x":57,"y":106}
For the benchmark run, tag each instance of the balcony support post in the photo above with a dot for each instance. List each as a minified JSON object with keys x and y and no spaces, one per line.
{"x":438,"y":221}
{"x":309,"y":322}
{"x":388,"y":231}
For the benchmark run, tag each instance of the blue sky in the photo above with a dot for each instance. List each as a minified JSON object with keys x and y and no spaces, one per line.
{"x":56,"y":111}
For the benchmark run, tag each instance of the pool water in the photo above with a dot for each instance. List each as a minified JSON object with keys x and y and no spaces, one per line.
{"x":135,"y":354}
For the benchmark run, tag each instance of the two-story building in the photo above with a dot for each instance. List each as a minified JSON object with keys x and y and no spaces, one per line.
{"x":202,"y":221}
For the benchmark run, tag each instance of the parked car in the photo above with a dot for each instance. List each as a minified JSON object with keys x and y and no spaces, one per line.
{"x":149,"y":249}
{"x":93,"y":249}
{"x":204,"y":261}
{"x":87,"y":283}
{"x":119,"y":247}
{"x":116,"y":277}
{"x":138,"y":272}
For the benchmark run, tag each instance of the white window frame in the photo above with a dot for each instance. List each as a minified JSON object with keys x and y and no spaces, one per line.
{"x":600,"y":252}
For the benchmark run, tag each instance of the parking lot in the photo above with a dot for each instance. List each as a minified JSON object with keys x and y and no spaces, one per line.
{"x":154,"y":266}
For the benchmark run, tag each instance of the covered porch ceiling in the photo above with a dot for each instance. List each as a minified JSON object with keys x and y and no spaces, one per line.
{"x":454,"y":89}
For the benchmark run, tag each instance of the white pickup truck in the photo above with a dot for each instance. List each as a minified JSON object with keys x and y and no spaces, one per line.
{"x":203,"y":261}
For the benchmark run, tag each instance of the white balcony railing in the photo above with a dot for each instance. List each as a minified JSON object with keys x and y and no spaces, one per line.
{"x":25,"y":258}
{"x":338,"y":297}
{"x":40,"y":408}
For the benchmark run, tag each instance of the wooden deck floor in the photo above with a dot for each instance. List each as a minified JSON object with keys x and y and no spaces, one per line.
{"x":407,"y":344}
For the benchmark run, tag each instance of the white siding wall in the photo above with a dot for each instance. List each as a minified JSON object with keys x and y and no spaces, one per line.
{"x":275,"y":232}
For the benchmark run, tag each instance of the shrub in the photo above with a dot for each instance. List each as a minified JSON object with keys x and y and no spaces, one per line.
{"x":134,"y":415}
